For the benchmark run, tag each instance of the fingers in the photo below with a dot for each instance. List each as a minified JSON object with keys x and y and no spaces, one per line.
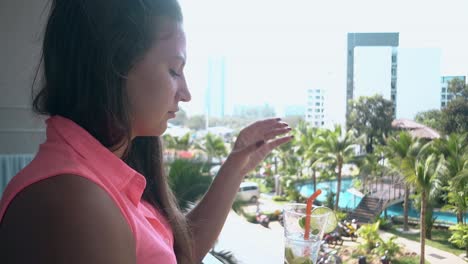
{"x":268,"y":124}
{"x":277,"y":142}
{"x":265,"y":127}
{"x":251,"y":148}
{"x":276,"y":132}
{"x":265,"y":147}
{"x":280,"y":125}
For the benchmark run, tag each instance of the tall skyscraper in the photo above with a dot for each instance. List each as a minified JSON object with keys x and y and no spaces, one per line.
{"x":371,"y":40}
{"x":445,"y":95}
{"x":315,"y":113}
{"x":409,"y":77}
{"x":418,"y":81}
{"x":215,"y":90}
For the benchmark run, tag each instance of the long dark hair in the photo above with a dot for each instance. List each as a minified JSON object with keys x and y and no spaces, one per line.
{"x":88,"y":49}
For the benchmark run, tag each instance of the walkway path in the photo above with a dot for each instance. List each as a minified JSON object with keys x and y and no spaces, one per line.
{"x":433,"y":255}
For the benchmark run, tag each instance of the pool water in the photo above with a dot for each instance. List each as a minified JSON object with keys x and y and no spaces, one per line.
{"x":348,"y":200}
{"x":397,"y":210}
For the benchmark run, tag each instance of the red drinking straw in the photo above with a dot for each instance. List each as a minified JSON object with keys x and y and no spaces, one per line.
{"x":309,"y":211}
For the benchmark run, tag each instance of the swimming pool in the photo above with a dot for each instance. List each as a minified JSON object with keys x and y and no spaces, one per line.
{"x":348,"y":200}
{"x":397,"y":210}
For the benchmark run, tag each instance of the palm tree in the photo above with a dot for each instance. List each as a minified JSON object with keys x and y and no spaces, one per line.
{"x":425,"y":174}
{"x":182,"y":143}
{"x":337,"y":148}
{"x":455,"y":150}
{"x":213,"y":146}
{"x":460,"y":194}
{"x":188,"y":182}
{"x":177,"y":143}
{"x":460,"y":236}
{"x":307,"y":142}
{"x":369,"y":168}
{"x":288,"y":166}
{"x":398,"y":148}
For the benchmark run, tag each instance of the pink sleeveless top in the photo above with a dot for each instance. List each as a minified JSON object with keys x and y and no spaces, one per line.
{"x":69,"y":149}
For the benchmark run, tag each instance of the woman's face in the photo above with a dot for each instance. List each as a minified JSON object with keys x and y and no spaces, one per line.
{"x":156,"y":83}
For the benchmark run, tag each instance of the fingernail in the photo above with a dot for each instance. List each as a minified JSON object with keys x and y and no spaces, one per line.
{"x":289,"y":129}
{"x":278,"y":119}
{"x":259,"y":143}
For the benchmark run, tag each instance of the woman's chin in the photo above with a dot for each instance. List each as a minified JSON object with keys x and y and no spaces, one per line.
{"x":153,"y":131}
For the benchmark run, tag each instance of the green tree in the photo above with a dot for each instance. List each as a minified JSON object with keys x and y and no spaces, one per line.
{"x":425,"y":175}
{"x":255,"y":112}
{"x":460,"y":236}
{"x":458,"y":88}
{"x":389,"y":248}
{"x":173,"y":144}
{"x":431,"y":118}
{"x":288,"y":166}
{"x":455,"y":116}
{"x":213,"y":146}
{"x":369,"y":168}
{"x":307,"y":140}
{"x":455,"y":150}
{"x":196,"y":122}
{"x":177,"y":143}
{"x":337,"y":148}
{"x":187,"y":181}
{"x":180,"y":119}
{"x":373,"y":117}
{"x":370,"y":234}
{"x":399,"y":149}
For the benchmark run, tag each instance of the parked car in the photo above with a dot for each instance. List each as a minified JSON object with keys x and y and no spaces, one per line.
{"x":248,"y":191}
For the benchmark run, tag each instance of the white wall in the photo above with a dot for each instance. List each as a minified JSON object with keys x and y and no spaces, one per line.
{"x":21,"y":25}
{"x":372,"y":71}
{"x":418,"y":83}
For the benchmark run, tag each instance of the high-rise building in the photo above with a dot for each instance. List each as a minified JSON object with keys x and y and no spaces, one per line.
{"x":215,"y":90}
{"x":371,"y":40}
{"x":315,"y":111}
{"x":445,"y":95}
{"x":418,"y":81}
{"x":417,"y":87}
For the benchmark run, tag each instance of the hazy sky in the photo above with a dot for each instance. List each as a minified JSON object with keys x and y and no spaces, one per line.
{"x":275,"y":50}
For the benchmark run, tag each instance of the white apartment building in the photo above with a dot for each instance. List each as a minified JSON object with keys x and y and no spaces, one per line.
{"x":315,"y":110}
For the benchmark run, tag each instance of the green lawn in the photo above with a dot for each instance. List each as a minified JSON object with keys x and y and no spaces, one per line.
{"x":439,"y":239}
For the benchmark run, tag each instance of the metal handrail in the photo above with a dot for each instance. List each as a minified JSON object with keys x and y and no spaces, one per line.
{"x":381,"y":200}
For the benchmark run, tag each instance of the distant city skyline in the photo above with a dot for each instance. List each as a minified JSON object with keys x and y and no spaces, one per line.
{"x":273,"y":56}
{"x":215,"y":93}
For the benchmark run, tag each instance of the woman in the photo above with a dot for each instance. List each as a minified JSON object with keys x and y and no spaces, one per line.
{"x":96,"y":192}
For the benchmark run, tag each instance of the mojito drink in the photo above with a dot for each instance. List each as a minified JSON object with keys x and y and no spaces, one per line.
{"x":298,"y":249}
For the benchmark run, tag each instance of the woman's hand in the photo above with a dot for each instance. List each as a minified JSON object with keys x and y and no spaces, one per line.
{"x":255,"y":142}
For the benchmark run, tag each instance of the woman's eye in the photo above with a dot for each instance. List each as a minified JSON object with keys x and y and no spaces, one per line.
{"x":174,"y":73}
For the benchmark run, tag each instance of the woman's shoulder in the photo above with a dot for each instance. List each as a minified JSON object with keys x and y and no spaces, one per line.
{"x":46,"y":165}
{"x":71,"y":214}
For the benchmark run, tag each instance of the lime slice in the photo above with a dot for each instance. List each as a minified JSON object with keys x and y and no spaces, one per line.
{"x":315,"y":224}
{"x":289,"y":255}
{"x":332,"y":221}
{"x":300,"y":260}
